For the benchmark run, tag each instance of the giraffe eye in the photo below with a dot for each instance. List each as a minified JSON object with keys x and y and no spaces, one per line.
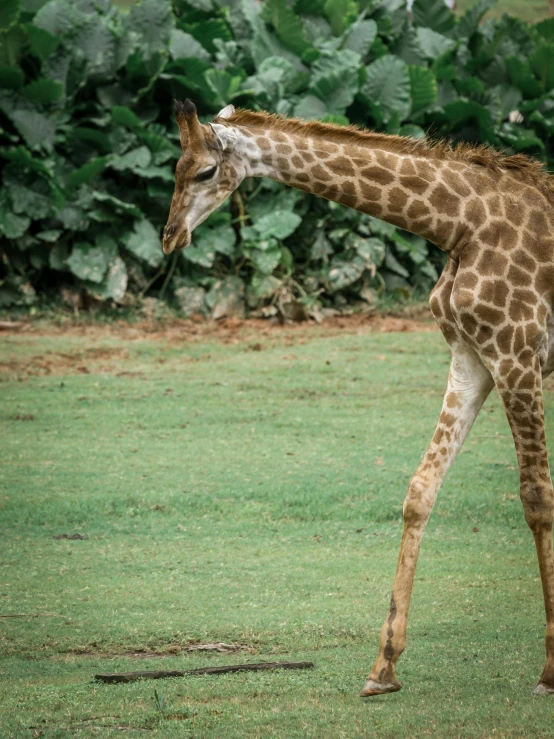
{"x":206,"y":175}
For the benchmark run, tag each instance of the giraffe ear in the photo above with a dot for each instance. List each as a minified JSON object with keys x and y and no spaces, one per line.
{"x":225,"y":138}
{"x":227,"y":112}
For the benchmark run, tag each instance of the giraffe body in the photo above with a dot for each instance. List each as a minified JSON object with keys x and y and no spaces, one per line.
{"x":494,"y":302}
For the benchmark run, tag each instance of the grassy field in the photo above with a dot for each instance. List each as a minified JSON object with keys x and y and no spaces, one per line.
{"x":530,"y":10}
{"x":246,"y":488}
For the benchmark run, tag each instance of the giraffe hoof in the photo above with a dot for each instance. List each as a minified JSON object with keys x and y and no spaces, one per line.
{"x":543,"y":689}
{"x":372,"y":687}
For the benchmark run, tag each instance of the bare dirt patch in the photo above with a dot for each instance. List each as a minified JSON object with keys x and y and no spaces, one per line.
{"x":57,"y":363}
{"x":173,"y":650}
{"x":255,"y":334}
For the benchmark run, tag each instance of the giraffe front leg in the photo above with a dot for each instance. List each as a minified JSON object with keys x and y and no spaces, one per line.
{"x":469,"y":383}
{"x":521,"y":393}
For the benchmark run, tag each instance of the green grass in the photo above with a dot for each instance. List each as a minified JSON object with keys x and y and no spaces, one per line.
{"x":252,"y":494}
{"x":530,"y":10}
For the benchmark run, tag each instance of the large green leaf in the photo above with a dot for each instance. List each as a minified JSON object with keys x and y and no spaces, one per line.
{"x":59,"y":18}
{"x":43,"y":91}
{"x":114,"y":284}
{"x":11,"y":77}
{"x":287,"y":25}
{"x":432,"y":44}
{"x":275,"y":77}
{"x":50,"y":236}
{"x":12,"y":45}
{"x":124,"y":116}
{"x":42,"y":43}
{"x":11,"y":225}
{"x":391,"y":17}
{"x":423,"y":86}
{"x":345,"y":272}
{"x":9,"y":13}
{"x":337,"y":91}
{"x":182,"y":45}
{"x":160,"y":146}
{"x":87,"y":172}
{"x":510,"y":98}
{"x":208,"y":32}
{"x":201,"y":252}
{"x":16,"y":290}
{"x":392,"y":263}
{"x":542,"y":64}
{"x":360,"y":36}
{"x":88,"y":262}
{"x":30,"y":194}
{"x":463,"y":111}
{"x":145,"y":243}
{"x":310,"y":107}
{"x":217,"y":239}
{"x":57,"y":259}
{"x":388,"y":86}
{"x":153,"y":172}
{"x":279,"y":224}
{"x":134,"y":160}
{"x":190,"y":74}
{"x":117,"y":205}
{"x":263,"y":286}
{"x":340,"y":14}
{"x":521,"y":75}
{"x":408,"y":49}
{"x":224,"y":85}
{"x":332,"y":62}
{"x":36,"y":128}
{"x":226,"y":298}
{"x":434,"y":14}
{"x":152,"y":21}
{"x":98,"y":44}
{"x":90,"y":137}
{"x":546,"y":29}
{"x":468,"y":23}
{"x":266,"y":260}
{"x":372,"y":250}
{"x":191,"y":300}
{"x":24,"y":160}
{"x":265,"y":44}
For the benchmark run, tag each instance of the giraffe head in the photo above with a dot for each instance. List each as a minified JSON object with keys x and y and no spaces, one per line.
{"x":206,"y":173}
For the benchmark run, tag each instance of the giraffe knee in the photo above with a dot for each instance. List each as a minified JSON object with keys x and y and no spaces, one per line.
{"x":538,"y":504}
{"x":419,"y":501}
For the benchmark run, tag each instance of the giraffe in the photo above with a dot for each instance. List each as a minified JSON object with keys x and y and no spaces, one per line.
{"x":494,"y":217}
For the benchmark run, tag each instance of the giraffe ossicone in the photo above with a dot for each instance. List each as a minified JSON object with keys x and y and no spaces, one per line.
{"x":494,"y":217}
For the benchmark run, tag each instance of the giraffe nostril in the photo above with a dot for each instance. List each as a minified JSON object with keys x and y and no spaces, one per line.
{"x":169,"y":231}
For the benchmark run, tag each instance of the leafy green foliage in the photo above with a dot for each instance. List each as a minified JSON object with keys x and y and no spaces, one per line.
{"x":88,"y":142}
{"x":9,"y":12}
{"x":434,"y":14}
{"x":387,"y":88}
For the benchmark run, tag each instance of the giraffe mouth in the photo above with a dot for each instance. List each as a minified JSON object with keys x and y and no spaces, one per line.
{"x":175,"y":241}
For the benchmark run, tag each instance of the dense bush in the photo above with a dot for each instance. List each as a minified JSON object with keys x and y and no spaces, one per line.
{"x":88,"y":143}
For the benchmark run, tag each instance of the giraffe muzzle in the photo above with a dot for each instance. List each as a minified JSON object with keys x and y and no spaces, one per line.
{"x":175,"y":237}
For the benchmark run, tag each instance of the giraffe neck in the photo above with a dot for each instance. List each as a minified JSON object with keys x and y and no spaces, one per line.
{"x":408,"y":191}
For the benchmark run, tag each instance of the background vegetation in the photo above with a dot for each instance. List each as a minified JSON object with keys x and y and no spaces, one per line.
{"x":250,"y":492}
{"x":88,"y":143}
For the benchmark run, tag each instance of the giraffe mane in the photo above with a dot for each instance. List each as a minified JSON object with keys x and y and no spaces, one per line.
{"x":528,"y":170}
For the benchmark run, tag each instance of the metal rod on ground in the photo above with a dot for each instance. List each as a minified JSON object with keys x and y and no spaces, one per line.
{"x":128,"y":677}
